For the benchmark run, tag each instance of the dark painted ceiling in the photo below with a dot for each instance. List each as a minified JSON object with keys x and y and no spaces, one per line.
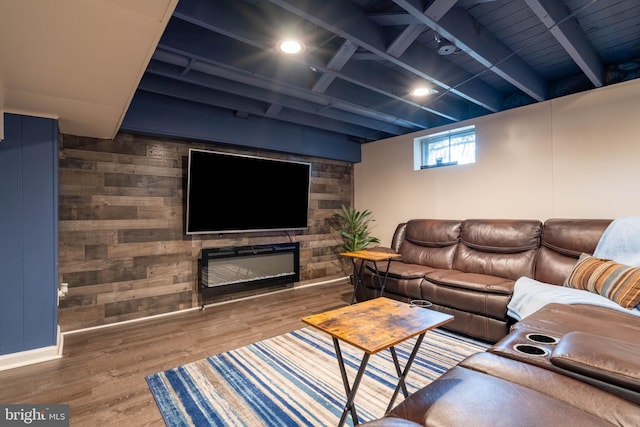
{"x":363,"y":57}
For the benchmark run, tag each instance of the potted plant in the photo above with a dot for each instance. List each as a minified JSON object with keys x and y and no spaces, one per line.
{"x":353,"y":228}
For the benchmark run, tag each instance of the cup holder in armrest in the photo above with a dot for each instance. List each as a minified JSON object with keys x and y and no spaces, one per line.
{"x":532,"y":350}
{"x":542,"y":339}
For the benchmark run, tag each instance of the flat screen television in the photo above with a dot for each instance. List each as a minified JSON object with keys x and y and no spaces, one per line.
{"x":228,"y":193}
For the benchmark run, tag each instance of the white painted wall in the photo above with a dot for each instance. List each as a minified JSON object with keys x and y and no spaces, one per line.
{"x":573,"y":157}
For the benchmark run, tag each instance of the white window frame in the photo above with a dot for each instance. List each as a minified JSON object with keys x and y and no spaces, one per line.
{"x":450,"y":148}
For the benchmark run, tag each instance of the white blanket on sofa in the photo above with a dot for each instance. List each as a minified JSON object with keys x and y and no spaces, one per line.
{"x":621,"y":241}
{"x":530,"y":295}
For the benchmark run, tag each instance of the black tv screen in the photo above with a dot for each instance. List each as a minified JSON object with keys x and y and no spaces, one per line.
{"x":229,"y":193}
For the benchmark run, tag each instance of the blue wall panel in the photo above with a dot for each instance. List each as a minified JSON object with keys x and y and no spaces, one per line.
{"x":11,"y":241}
{"x":28,"y":226}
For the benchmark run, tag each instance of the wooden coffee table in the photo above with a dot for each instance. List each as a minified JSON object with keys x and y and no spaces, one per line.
{"x":373,"y":326}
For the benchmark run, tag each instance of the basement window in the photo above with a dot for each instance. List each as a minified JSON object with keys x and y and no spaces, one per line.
{"x":450,"y":148}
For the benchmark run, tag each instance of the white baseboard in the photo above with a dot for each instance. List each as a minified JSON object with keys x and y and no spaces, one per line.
{"x":173,"y":313}
{"x":29,"y":357}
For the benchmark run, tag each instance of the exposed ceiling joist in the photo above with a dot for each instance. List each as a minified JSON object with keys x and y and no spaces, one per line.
{"x":402,"y":42}
{"x":339,"y":59}
{"x":224,"y":80}
{"x":567,"y":31}
{"x":348,"y":21}
{"x":468,"y":35}
{"x":207,"y":16}
{"x":209,"y":69}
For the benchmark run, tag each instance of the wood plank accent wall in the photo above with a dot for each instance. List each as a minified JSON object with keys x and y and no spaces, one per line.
{"x":122,"y":246}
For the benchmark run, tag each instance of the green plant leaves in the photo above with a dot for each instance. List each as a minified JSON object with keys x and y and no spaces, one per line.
{"x":353,"y":228}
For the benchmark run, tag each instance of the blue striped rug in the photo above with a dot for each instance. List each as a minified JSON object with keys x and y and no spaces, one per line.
{"x":294,"y":380}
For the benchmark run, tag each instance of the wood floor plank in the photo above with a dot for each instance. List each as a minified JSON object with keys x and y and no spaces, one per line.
{"x":102,"y":373}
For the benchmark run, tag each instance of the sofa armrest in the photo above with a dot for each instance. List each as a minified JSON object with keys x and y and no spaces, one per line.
{"x":605,"y":359}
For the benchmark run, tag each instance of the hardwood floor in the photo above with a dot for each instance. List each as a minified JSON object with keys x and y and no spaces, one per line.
{"x":102,"y":373}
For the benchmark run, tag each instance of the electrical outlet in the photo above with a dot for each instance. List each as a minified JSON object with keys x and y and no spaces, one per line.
{"x":63,"y":290}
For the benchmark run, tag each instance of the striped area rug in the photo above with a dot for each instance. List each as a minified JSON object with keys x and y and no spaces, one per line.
{"x":294,"y":380}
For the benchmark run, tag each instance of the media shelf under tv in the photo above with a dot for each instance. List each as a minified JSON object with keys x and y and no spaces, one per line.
{"x":235,"y":269}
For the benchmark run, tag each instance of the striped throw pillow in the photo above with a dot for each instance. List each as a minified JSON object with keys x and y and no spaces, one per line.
{"x":618,"y":282}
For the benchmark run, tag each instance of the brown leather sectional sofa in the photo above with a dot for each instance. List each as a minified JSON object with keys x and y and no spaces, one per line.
{"x":584,"y":372}
{"x":468,"y":268}
{"x":568,"y":365}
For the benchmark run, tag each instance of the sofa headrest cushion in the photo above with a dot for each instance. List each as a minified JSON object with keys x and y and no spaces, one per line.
{"x":501,"y":236}
{"x":571,"y":237}
{"x":432,"y":233}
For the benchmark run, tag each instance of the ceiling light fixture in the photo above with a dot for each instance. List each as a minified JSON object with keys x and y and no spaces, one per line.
{"x":423,"y":91}
{"x":290,"y":46}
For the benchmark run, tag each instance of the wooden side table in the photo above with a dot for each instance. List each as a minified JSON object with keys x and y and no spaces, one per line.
{"x":373,"y":326}
{"x":375,"y":257}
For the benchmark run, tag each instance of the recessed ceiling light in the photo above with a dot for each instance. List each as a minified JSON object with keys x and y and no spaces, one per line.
{"x":290,"y":46}
{"x":423,"y":91}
